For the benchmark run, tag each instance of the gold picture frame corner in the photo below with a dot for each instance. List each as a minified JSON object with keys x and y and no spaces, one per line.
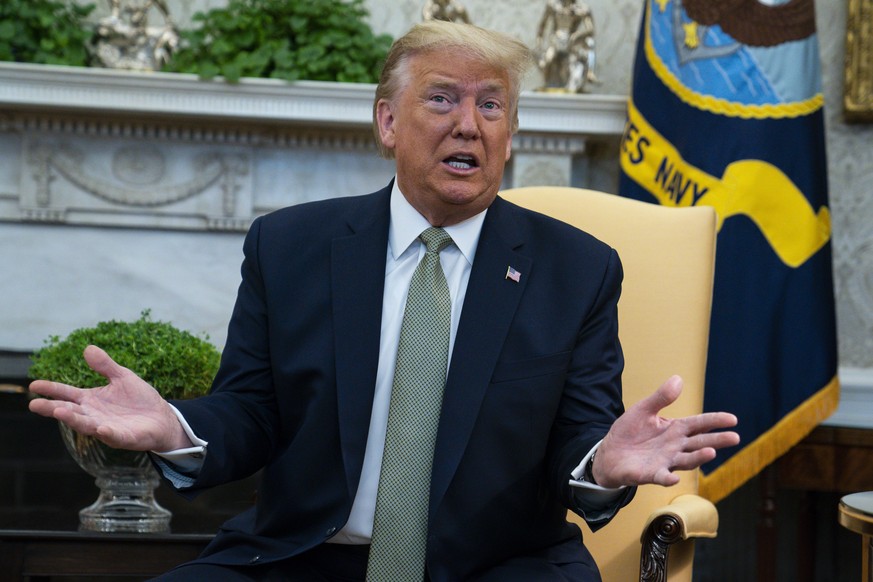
{"x":858,"y":78}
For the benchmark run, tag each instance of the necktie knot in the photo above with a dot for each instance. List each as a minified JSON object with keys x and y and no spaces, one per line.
{"x":435,"y":239}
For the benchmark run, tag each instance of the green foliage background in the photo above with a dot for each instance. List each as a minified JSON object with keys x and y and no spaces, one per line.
{"x":44,"y":32}
{"x":322,"y":40}
{"x":177,"y":363}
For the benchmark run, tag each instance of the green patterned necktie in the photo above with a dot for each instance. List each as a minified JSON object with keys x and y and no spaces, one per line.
{"x":397,"y":553}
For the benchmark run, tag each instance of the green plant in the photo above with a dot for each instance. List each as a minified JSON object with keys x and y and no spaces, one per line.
{"x":177,"y":363}
{"x":44,"y":32}
{"x":323,"y":40}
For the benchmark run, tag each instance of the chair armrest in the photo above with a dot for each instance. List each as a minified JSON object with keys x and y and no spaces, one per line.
{"x":687,"y":516}
{"x":696,"y":517}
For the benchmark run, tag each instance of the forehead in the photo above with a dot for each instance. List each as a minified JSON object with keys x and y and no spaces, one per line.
{"x":453,"y":67}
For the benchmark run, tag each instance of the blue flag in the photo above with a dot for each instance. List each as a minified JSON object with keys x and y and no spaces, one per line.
{"x":726,"y":111}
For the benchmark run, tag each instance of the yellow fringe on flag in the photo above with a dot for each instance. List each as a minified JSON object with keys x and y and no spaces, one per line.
{"x":771,"y":445}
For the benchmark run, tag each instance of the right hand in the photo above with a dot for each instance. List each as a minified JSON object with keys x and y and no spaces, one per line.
{"x":643,"y":447}
{"x":126,"y":413}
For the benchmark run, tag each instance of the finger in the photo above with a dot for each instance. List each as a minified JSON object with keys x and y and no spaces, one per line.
{"x":692,"y":460}
{"x":665,"y":477}
{"x":56,"y":391}
{"x":70,"y":415}
{"x":714,"y":440}
{"x":664,"y":396}
{"x":709,"y":421}
{"x":99,"y":361}
{"x":43,"y":407}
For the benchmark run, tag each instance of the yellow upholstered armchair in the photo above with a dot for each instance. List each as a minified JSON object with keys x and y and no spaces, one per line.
{"x":668,"y":257}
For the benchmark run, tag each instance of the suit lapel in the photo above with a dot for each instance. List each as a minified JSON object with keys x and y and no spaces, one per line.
{"x":489,"y":306}
{"x":358,"y":279}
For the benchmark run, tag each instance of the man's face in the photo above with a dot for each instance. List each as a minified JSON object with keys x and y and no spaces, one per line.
{"x":449,"y":128}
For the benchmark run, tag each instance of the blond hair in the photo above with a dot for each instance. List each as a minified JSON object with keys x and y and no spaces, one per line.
{"x":494,"y":48}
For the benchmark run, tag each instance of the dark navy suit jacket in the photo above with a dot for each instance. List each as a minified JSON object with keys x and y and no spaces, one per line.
{"x":533,"y":384}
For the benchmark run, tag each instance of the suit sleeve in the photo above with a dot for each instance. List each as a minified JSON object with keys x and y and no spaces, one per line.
{"x":591,"y":399}
{"x":239,"y":417}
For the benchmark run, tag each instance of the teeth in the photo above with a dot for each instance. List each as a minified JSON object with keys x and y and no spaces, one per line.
{"x":461,"y":162}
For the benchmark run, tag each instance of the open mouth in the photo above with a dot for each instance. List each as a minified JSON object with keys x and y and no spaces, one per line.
{"x":462,"y":162}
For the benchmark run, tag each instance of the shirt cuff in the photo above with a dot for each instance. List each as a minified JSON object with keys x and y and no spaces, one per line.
{"x":592,"y":491}
{"x":182,"y":463}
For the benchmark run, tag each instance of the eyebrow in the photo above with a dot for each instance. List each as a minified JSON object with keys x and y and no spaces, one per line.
{"x":491,"y":86}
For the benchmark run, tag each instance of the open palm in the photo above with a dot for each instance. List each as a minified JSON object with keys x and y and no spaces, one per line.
{"x":644,"y":447}
{"x":126,"y":413}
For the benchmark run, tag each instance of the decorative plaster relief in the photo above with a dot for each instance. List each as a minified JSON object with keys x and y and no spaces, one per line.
{"x":77,"y":180}
{"x":141,"y":164}
{"x":544,"y":159}
{"x":542,"y":172}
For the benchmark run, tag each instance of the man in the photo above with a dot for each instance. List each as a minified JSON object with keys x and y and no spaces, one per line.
{"x":307,"y":384}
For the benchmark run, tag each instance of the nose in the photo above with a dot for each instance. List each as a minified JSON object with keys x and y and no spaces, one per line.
{"x":467,"y":120}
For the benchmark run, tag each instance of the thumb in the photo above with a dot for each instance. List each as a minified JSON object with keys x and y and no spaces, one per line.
{"x":666,"y":394}
{"x":99,"y":361}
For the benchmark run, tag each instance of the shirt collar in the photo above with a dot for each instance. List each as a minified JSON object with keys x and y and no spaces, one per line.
{"x":406,"y":224}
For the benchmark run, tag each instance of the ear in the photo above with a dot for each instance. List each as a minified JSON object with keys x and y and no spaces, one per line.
{"x":508,"y":147}
{"x":385,"y":120}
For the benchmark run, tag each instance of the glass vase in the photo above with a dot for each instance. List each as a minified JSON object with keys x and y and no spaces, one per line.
{"x":127,"y":482}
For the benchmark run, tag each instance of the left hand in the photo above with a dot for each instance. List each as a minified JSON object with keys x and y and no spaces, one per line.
{"x":643,"y":447}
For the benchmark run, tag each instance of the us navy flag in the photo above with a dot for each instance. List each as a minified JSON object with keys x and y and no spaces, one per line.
{"x":726,"y":111}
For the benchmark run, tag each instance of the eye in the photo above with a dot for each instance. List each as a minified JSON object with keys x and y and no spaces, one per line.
{"x":439,"y":99}
{"x":492,"y":107}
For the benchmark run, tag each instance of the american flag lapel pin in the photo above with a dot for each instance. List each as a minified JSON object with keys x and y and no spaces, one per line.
{"x":512,"y":274}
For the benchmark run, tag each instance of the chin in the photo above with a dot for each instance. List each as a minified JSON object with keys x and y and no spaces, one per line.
{"x":467,"y":198}
{"x":463,"y":191}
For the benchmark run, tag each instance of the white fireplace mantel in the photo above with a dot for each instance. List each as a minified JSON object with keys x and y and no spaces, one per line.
{"x":75,"y":89}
